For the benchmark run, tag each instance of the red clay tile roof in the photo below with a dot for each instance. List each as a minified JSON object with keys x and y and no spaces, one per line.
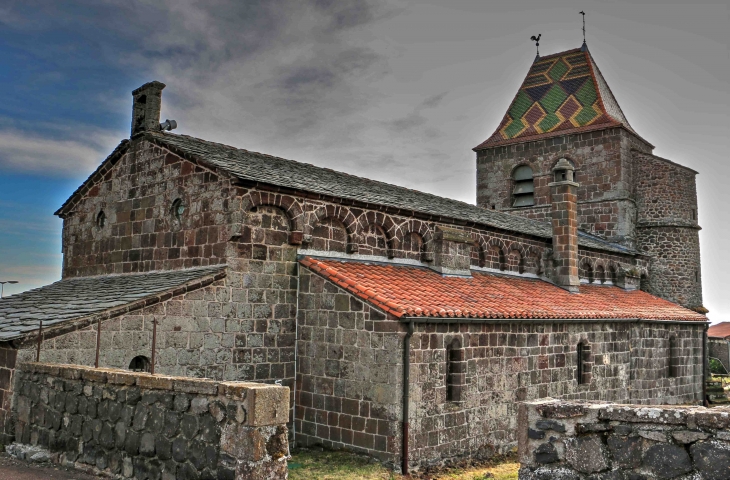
{"x":407,"y":291}
{"x":721,"y":330}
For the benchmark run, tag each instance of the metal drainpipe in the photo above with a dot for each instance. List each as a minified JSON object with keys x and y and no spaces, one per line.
{"x":704,"y":367}
{"x":406,"y":394}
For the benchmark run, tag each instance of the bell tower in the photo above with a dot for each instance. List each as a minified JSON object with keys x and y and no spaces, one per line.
{"x":564,"y":111}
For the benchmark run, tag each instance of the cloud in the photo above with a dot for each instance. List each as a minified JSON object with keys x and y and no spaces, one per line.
{"x":22,"y":151}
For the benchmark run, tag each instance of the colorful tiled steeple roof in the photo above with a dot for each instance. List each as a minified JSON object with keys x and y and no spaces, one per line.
{"x":563,"y":93}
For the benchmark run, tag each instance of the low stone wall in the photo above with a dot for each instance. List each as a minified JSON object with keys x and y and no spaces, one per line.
{"x":137,"y":425}
{"x":571,"y":441}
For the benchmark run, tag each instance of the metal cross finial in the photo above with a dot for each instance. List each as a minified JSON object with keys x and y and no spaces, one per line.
{"x":584,"y":25}
{"x":537,"y":42}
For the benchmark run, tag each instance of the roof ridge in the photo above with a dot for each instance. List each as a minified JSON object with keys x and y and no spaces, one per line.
{"x":339,"y":172}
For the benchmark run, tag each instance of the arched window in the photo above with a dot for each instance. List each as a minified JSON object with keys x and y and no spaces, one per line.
{"x":583,"y":364}
{"x":455,"y":371}
{"x":673,"y":355}
{"x":523,"y":194}
{"x":613,"y":276}
{"x":601,"y":274}
{"x":177,"y":209}
{"x":140,"y":364}
{"x":588,"y":272}
{"x":101,"y":219}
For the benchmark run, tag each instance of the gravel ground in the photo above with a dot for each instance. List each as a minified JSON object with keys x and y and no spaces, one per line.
{"x":13,"y":469}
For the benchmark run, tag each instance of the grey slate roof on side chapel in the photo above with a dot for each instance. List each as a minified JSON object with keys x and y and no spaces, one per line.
{"x":295,"y":175}
{"x":77,"y":298}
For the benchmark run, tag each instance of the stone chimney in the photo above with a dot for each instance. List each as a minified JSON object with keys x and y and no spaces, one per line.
{"x":146,"y":107}
{"x":452,"y":252}
{"x":564,"y":193}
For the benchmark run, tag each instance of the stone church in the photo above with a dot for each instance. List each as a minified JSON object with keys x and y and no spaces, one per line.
{"x":408,"y":326}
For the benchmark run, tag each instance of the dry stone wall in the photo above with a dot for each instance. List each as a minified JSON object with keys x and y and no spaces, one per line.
{"x":592,"y":441}
{"x":132,"y":425}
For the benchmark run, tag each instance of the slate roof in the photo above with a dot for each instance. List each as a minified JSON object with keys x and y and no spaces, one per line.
{"x":258,"y":167}
{"x":409,"y":291}
{"x":78,"y":298}
{"x":721,"y":330}
{"x":562,"y":93}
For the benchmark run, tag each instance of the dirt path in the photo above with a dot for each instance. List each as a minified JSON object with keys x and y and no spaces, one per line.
{"x":12,"y":469}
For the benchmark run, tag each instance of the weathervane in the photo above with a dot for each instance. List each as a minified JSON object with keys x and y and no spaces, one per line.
{"x":537,"y":42}
{"x":584,"y":26}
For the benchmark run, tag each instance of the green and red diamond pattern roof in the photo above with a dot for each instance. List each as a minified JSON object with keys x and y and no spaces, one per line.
{"x":562,"y":93}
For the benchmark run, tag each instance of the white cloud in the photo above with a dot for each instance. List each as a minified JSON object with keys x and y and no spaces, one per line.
{"x":22,"y":151}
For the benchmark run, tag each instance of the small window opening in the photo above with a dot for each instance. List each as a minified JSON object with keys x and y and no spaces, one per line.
{"x":455,"y":371}
{"x":101,"y":219}
{"x":177,"y":209}
{"x":583,"y":365}
{"x":523,"y":194}
{"x":589,"y":272}
{"x":494,"y":207}
{"x":601,"y":274}
{"x":673,"y":357}
{"x":697,"y":275}
{"x":140,"y":364}
{"x":693,"y":214}
{"x":612,"y":274}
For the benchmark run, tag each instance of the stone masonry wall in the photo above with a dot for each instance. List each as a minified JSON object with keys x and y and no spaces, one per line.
{"x":511,"y":362}
{"x":212,"y":332}
{"x":604,"y":171}
{"x":140,"y":232}
{"x":668,"y":228}
{"x":652,"y":380}
{"x":675,"y":271}
{"x":133,"y":425}
{"x":252,"y":230}
{"x":8,"y":357}
{"x":566,"y":440}
{"x":665,"y":191}
{"x":350,"y":375}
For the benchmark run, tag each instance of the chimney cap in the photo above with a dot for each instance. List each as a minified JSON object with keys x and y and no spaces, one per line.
{"x":153,"y":85}
{"x":563,"y":164}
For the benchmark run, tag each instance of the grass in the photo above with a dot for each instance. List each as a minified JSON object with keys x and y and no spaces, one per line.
{"x":329,"y":465}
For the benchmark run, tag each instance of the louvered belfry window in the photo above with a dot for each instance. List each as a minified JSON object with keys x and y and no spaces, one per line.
{"x":524,"y":193}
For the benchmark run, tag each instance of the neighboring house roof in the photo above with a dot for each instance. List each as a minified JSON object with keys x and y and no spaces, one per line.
{"x":96,"y":297}
{"x":721,"y":330}
{"x":409,"y":291}
{"x":258,"y":167}
{"x":562,"y":93}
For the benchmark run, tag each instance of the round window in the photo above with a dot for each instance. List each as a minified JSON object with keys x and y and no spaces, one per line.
{"x":177,"y":209}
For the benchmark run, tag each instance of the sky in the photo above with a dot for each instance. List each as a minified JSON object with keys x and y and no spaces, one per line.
{"x":394,"y":90}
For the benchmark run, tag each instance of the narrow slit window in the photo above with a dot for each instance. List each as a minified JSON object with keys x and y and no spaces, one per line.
{"x":673,"y":357}
{"x":583,"y":364}
{"x":523,"y":194}
{"x":101,"y":219}
{"x":455,"y":371}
